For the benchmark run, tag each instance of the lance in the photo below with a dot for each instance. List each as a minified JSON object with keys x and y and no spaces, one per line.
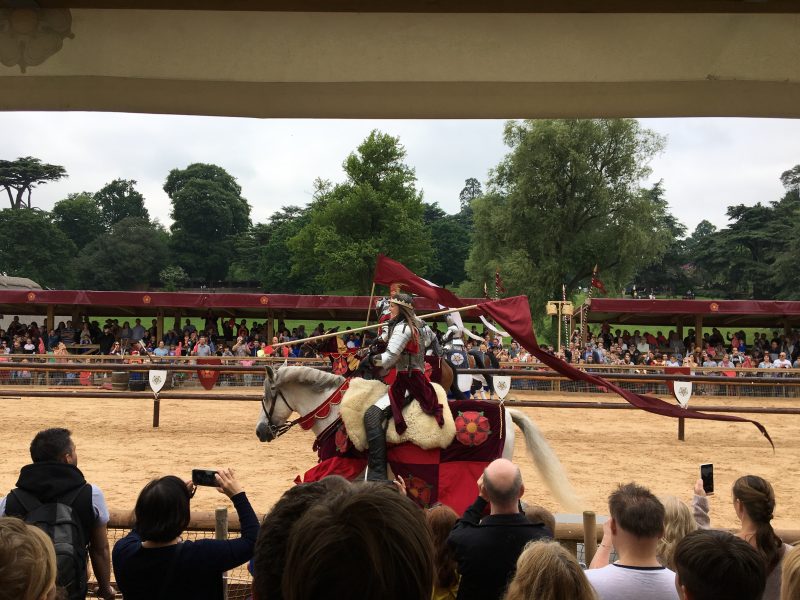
{"x":325,"y":336}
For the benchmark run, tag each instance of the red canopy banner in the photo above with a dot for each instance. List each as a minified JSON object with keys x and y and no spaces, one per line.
{"x":514,"y":315}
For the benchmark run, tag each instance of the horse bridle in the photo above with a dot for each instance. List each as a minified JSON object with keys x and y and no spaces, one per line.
{"x":275,"y":431}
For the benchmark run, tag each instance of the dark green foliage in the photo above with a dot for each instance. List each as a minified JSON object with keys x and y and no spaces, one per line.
{"x":32,"y":246}
{"x":377,"y":209}
{"x":119,"y":200}
{"x":79,"y":217}
{"x":209,"y":216}
{"x":129,"y":256}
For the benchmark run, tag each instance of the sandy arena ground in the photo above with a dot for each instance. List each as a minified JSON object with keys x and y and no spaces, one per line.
{"x":120,"y":451}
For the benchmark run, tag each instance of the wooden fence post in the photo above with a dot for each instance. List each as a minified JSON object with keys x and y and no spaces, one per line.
{"x":221,"y":533}
{"x":681,"y":429}
{"x":589,"y":536}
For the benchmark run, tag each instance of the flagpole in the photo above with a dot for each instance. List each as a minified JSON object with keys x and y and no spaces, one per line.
{"x":369,"y":306}
{"x":368,"y":327}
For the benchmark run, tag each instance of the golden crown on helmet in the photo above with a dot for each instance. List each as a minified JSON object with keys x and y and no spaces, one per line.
{"x":403,"y":299}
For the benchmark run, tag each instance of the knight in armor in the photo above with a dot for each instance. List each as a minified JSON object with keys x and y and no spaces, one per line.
{"x":405,"y":351}
{"x":453,"y":338}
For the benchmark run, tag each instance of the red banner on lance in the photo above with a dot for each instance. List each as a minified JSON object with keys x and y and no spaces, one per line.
{"x":208,"y":378}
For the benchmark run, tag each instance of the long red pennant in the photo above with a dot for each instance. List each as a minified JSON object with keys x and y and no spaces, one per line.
{"x":514,"y":314}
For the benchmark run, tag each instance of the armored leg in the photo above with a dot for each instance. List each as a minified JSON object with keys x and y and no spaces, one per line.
{"x":376,"y":438}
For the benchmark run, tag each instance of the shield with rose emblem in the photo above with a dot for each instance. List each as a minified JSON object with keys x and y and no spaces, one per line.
{"x":502,"y":385}
{"x":157,"y":380}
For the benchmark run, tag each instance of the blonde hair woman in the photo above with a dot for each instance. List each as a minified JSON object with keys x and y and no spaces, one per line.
{"x":678,"y":521}
{"x":790,"y":575}
{"x":546,"y":571}
{"x":27,"y":562}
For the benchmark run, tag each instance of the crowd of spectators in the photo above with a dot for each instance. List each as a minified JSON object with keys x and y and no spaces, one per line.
{"x":367,"y":540}
{"x":621,"y":347}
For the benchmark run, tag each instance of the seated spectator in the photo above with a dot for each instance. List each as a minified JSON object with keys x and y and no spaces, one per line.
{"x":754,"y":503}
{"x":441,"y":520}
{"x":790,"y":576}
{"x":370,"y":543}
{"x":27,"y":562}
{"x":269,"y":559}
{"x":635,"y":527}
{"x":715,"y":565}
{"x":487,"y":550}
{"x":153,"y":561}
{"x":547,"y":571}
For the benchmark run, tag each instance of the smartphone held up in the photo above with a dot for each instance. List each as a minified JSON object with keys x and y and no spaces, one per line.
{"x":707,"y":475}
{"x":207,"y":477}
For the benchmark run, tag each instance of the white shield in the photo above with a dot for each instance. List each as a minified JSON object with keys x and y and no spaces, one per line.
{"x":464,"y":382}
{"x":502,"y":385}
{"x":157,"y":380}
{"x":683,"y":391}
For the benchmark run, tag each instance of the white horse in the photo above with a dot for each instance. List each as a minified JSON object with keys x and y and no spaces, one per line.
{"x":303,"y":390}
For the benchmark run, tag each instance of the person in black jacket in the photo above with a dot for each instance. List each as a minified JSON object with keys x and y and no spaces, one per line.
{"x":487,"y":549}
{"x":54,"y":477}
{"x":153,"y":562}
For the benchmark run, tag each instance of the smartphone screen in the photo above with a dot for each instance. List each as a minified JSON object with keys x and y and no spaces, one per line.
{"x":707,"y":475}
{"x":204,"y":477}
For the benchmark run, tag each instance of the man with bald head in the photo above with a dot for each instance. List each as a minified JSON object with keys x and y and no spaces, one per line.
{"x":487,"y":548}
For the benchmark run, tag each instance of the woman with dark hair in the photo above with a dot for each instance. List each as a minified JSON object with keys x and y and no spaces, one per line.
{"x":754,"y":503}
{"x":441,"y":520}
{"x":153,"y":562}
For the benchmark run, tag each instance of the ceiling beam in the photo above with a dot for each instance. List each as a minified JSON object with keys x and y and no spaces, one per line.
{"x":432,"y":6}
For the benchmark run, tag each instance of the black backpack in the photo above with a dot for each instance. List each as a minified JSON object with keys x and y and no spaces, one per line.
{"x":59,"y":520}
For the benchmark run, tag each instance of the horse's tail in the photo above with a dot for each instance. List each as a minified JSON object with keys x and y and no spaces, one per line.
{"x":547,"y":462}
{"x":455,"y":391}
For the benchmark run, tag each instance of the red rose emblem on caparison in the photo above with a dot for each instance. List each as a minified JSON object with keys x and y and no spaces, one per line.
{"x":472,"y":428}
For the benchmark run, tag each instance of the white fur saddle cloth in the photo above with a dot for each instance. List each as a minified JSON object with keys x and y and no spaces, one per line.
{"x":423,"y":430}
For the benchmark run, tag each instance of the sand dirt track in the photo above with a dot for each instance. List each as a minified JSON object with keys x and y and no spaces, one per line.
{"x":120,"y":451}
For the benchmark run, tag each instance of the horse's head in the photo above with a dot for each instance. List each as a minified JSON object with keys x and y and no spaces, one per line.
{"x":275,"y":411}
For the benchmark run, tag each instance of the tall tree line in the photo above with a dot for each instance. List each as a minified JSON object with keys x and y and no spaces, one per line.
{"x":567,"y":197}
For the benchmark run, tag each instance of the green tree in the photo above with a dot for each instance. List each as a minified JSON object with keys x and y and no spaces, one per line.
{"x":120,"y":200}
{"x":129,"y":256}
{"x":19,"y":177}
{"x":377,"y":209}
{"x":791,"y":178}
{"x":263,"y":253}
{"x":209,"y":215}
{"x":173,"y":277}
{"x":32,"y":246}
{"x":564,"y":199}
{"x":79,"y":217}
{"x":450,"y":239}
{"x":670,"y":273}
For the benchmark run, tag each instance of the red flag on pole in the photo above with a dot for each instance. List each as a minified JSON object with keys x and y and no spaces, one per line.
{"x":388,"y":272}
{"x":596,"y":283}
{"x":514,"y":315}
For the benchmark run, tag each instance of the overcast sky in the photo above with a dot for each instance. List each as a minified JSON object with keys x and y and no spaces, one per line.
{"x":708,"y":164}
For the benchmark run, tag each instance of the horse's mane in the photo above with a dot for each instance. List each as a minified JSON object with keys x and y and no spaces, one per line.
{"x":317,"y":379}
